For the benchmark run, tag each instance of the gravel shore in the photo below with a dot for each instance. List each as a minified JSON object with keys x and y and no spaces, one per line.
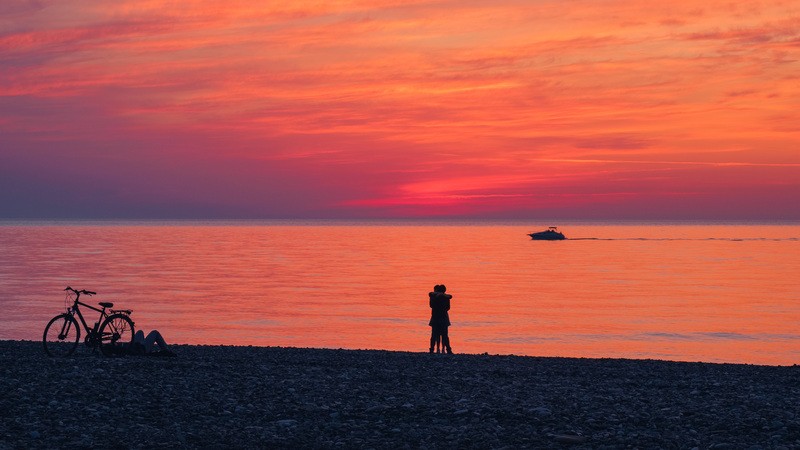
{"x":215,"y":396}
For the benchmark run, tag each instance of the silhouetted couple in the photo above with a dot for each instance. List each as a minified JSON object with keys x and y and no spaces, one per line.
{"x":440,"y":318}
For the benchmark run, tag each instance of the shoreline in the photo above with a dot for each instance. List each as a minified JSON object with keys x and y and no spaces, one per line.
{"x":243,"y":396}
{"x":81,"y":349}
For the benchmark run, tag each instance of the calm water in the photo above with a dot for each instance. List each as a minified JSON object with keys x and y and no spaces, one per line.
{"x":680,"y":292}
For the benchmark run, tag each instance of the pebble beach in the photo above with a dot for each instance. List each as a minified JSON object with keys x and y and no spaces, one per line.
{"x":268,"y":397}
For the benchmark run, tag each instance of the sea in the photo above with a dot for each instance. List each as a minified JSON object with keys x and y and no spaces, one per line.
{"x":712,"y":292}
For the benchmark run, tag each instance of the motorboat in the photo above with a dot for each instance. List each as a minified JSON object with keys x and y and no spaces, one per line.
{"x":550,"y":234}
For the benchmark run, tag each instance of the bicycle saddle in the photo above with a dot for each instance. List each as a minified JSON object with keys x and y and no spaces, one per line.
{"x":106,"y":304}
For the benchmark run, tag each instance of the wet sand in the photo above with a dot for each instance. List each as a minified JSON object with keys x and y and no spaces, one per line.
{"x":215,"y":396}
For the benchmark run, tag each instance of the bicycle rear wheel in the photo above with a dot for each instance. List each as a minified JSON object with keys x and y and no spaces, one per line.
{"x":116,"y":334}
{"x":61,"y":335}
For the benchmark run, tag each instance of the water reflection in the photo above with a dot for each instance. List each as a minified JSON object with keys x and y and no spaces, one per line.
{"x":712,"y":293}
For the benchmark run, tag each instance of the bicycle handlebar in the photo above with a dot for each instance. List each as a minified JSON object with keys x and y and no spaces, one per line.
{"x":82,"y":291}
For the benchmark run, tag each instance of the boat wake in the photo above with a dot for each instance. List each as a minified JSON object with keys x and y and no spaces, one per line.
{"x":686,"y":239}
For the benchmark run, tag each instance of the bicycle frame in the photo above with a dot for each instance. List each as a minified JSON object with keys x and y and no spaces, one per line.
{"x":74,"y":310}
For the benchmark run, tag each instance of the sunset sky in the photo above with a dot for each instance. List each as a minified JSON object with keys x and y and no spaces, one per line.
{"x":595,"y":109}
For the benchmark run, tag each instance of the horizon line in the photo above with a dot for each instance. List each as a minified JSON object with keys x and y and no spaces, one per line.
{"x":442,"y":220}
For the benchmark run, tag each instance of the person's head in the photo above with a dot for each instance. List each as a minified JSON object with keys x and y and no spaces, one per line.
{"x":440,"y":288}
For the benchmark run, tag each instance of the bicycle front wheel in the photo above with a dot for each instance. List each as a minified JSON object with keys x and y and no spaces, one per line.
{"x":61,"y":335}
{"x":116,"y":334}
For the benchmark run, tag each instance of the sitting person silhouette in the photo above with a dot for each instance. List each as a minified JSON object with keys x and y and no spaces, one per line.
{"x":146,"y":345}
{"x":439,"y":302}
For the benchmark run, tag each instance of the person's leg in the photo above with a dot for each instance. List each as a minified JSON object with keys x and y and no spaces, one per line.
{"x":446,"y":340}
{"x":153,"y":338}
{"x":434,"y":335}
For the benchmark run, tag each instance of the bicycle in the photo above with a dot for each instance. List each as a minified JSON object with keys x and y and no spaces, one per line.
{"x":110,"y":333}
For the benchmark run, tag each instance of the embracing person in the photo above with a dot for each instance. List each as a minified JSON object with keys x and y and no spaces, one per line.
{"x":439,"y":302}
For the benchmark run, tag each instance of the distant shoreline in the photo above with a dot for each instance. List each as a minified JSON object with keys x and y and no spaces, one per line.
{"x":317,"y":398}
